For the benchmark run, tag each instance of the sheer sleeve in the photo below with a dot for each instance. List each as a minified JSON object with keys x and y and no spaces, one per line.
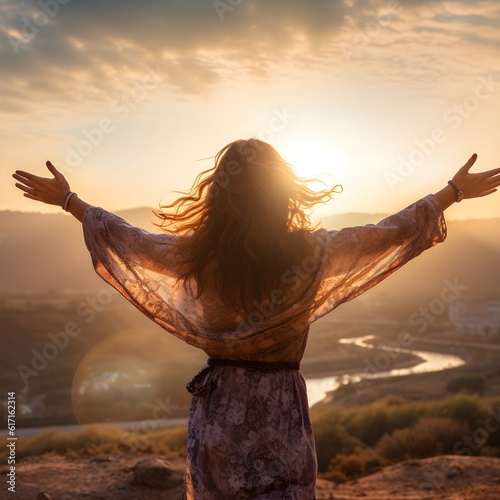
{"x":141,"y":267}
{"x":354,"y":259}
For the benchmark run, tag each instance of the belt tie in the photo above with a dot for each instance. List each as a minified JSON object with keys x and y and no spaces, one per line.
{"x":205,"y":382}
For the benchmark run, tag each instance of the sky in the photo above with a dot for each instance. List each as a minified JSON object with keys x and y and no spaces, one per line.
{"x":131,"y":100}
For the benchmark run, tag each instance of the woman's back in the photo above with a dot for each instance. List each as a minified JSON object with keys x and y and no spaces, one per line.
{"x":250,"y":430}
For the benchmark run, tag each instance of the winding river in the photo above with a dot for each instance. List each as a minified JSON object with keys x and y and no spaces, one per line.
{"x":317,"y":388}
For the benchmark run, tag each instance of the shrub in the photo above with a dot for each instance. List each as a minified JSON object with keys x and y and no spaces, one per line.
{"x":172,"y":439}
{"x":360,"y":463}
{"x":428,"y":437}
{"x":464,"y":407}
{"x":83,"y":441}
{"x":473,"y":383}
{"x":345,"y":430}
{"x":101,"y":439}
{"x":369,"y":423}
{"x":330,"y":440}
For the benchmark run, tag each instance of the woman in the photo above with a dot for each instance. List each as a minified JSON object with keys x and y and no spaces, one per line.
{"x":242,"y":275}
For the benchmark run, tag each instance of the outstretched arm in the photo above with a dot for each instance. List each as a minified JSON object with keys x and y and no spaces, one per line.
{"x":51,"y":191}
{"x":354,"y":259}
{"x":472,"y":185}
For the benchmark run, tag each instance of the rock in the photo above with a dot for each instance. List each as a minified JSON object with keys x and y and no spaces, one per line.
{"x":455,"y":471}
{"x":100,"y":458}
{"x":152,"y":472}
{"x":411,"y":463}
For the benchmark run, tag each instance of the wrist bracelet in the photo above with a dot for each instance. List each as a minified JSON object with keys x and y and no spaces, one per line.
{"x":66,"y":200}
{"x":458,"y":191}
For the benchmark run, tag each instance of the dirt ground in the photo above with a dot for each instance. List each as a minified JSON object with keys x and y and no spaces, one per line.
{"x":109,"y":477}
{"x":446,"y":477}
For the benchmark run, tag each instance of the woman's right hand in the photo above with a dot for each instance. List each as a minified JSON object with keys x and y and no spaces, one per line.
{"x":45,"y":189}
{"x":476,"y":185}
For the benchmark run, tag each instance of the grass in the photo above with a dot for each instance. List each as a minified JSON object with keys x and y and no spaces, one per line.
{"x":100,"y":438}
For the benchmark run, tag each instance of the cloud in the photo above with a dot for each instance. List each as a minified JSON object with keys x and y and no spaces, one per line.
{"x":55,"y":48}
{"x":432,"y":47}
{"x":76,"y":53}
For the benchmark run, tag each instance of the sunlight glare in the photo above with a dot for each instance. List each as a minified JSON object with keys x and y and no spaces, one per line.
{"x":313,"y":159}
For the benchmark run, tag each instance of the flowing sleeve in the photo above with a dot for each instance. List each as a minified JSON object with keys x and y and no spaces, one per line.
{"x":353,"y":260}
{"x":140,"y":265}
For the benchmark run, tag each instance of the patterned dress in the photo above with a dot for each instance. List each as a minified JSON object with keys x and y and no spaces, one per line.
{"x":249,"y":431}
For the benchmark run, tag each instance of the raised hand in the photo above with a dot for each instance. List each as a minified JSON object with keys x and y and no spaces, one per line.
{"x":476,"y":185}
{"x":45,"y":189}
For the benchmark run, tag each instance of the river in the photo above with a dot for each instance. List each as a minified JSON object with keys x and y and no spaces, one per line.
{"x":316,"y":387}
{"x":431,"y":362}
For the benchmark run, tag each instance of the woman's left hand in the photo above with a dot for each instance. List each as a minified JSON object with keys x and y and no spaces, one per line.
{"x":44,"y":189}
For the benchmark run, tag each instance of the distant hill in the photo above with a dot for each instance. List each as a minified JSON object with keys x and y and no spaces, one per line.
{"x":351,"y":219}
{"x":43,"y":252}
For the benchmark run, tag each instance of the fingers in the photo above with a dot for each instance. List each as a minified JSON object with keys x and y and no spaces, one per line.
{"x":489,"y":173}
{"x":469,"y":164}
{"x":486,"y":193}
{"x":489,"y":182}
{"x":27,"y":178}
{"x":28,"y":190}
{"x":58,"y":175}
{"x":494,"y":178}
{"x":25,"y":184}
{"x":53,"y":170}
{"x":465,"y":169}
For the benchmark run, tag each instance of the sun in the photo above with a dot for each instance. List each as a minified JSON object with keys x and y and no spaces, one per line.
{"x":312,"y":159}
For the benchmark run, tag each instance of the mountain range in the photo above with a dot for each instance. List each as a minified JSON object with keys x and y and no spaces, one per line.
{"x":43,"y":252}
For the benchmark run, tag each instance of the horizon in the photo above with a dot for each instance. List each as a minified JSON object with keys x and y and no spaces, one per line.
{"x":313,"y":219}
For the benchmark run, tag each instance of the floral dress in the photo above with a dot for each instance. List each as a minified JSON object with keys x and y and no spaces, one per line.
{"x":249,"y":430}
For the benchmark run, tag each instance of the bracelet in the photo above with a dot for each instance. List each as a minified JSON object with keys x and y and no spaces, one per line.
{"x":458,"y":191}
{"x":66,"y":200}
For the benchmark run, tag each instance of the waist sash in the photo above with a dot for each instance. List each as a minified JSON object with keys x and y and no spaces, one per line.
{"x":205,"y":382}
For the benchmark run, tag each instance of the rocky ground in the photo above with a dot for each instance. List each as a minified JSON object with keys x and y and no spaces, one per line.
{"x":138,"y":477}
{"x":446,"y":477}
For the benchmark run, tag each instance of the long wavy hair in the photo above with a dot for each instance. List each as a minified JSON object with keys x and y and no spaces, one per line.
{"x":243,"y":223}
